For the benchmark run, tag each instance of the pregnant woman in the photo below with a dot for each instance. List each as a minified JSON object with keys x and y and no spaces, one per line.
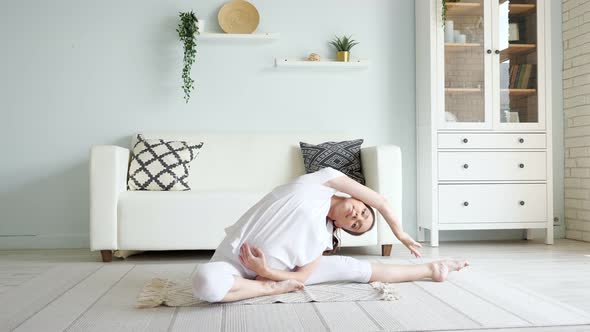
{"x":279,"y":244}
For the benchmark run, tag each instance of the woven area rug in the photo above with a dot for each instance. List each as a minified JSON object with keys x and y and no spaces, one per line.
{"x":178,"y":293}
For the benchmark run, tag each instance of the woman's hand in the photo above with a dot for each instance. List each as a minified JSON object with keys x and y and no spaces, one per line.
{"x":253,"y":259}
{"x":410,"y":244}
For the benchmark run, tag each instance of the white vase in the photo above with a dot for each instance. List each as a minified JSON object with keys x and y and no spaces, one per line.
{"x":449,"y":25}
{"x":513,"y":34}
{"x":449,"y":31}
{"x":201,"y":25}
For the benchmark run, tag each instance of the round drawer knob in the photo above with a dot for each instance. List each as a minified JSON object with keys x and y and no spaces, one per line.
{"x":521,"y":202}
{"x":521,"y":140}
{"x":466,"y":203}
{"x":465,"y":166}
{"x":489,"y":51}
{"x":521,"y":165}
{"x":497,"y":51}
{"x":465,"y":140}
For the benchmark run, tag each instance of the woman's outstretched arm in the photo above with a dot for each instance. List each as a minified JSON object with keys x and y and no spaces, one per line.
{"x":349,"y":186}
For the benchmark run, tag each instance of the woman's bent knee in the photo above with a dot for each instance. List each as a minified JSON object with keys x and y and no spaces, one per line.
{"x":211,"y":282}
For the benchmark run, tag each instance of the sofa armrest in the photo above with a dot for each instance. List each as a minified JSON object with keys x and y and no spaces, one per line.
{"x":382,"y":168}
{"x":108,"y":179}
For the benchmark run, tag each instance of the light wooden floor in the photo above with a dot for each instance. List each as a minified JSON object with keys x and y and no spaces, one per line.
{"x":84,"y":297}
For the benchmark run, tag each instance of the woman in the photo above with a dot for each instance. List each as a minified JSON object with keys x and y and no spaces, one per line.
{"x":277,"y":246}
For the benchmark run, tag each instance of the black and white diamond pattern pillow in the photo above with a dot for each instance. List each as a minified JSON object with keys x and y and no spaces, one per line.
{"x":344,"y":156}
{"x":161,"y":165}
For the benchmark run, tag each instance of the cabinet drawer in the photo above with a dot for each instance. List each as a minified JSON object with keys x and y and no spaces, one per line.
{"x":474,"y":203}
{"x":490,"y":166}
{"x":491,"y":141}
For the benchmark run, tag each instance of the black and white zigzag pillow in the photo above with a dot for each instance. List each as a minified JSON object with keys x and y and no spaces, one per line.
{"x":161,"y":165}
{"x":344,"y":156}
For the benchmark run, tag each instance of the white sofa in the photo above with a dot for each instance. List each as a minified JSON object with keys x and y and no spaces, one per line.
{"x":230,"y":174}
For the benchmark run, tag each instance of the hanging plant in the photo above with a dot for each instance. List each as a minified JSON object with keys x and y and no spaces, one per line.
{"x":187,"y":31}
{"x":444,"y":13}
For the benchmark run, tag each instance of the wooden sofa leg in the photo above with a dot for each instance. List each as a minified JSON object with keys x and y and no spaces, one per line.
{"x":107,"y":255}
{"x":386,"y":249}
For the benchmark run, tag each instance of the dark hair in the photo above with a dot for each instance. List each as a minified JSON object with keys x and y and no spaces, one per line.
{"x":336,"y":239}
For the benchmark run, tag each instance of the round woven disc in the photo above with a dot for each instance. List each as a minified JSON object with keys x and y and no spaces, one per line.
{"x":238,"y":16}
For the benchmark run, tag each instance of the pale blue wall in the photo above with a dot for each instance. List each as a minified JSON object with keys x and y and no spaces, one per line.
{"x":78,"y":73}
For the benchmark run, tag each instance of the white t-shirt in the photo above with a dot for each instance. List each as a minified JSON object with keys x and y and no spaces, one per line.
{"x":289,"y":224}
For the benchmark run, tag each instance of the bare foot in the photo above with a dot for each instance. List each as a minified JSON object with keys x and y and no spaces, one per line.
{"x":440,"y":269}
{"x":285,"y":286}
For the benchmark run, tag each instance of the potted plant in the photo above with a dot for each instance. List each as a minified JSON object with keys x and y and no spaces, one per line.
{"x":343,"y":45}
{"x":187,"y":29}
{"x":444,"y":11}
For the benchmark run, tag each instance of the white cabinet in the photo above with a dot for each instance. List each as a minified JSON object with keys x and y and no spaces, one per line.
{"x":483,"y":116}
{"x":491,"y":141}
{"x":491,"y":166}
{"x":491,"y":203}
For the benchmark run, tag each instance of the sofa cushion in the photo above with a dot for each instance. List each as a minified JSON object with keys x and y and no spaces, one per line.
{"x":161,"y":165}
{"x":190,"y":220}
{"x":344,"y":156}
{"x":167,"y":220}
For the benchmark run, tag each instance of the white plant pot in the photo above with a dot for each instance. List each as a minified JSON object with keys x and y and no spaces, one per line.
{"x":201,"y":25}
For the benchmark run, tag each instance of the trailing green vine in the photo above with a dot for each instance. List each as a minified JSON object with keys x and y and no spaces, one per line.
{"x":187,"y":31}
{"x":444,"y":13}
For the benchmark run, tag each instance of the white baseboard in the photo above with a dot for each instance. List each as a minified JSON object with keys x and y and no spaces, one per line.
{"x":45,"y":241}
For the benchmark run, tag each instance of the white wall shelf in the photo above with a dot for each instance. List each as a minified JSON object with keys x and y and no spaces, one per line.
{"x":238,"y":36}
{"x":324,"y":64}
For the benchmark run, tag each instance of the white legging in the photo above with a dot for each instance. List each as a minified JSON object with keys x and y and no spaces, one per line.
{"x":211,"y":281}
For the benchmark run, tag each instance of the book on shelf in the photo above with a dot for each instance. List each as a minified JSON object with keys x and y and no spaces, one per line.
{"x":520,"y":76}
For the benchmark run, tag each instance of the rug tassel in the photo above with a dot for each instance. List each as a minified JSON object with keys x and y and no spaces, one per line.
{"x":152,"y":294}
{"x":386,"y":290}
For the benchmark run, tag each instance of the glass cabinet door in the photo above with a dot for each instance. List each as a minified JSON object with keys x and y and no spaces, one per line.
{"x":516,"y":97}
{"x":465,"y":64}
